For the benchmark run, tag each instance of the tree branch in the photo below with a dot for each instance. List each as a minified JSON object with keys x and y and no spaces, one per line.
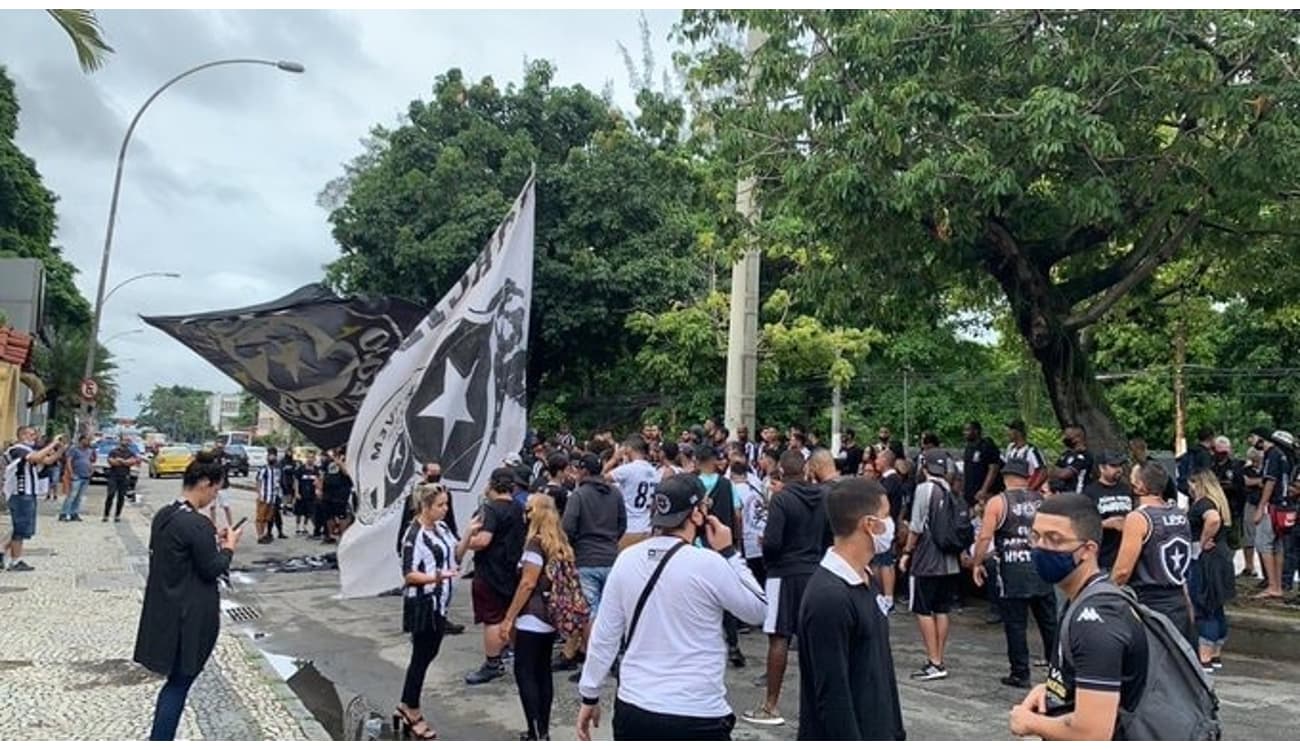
{"x":1249,"y":231}
{"x":1150,"y":261}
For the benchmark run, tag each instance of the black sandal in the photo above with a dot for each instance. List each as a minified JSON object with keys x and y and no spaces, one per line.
{"x":408,"y":729}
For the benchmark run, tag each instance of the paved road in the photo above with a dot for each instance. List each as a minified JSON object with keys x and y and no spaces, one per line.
{"x":67,"y":631}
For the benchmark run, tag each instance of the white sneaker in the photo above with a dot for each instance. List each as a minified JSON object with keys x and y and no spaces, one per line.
{"x":930,"y":672}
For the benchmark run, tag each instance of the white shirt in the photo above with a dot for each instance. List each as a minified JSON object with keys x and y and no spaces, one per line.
{"x":526,"y":622}
{"x":1027,"y":452}
{"x":637,"y":481}
{"x":676,"y":661}
{"x":753,"y":510}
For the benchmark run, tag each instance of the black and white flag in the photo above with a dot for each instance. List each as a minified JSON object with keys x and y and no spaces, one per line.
{"x":452,"y":393}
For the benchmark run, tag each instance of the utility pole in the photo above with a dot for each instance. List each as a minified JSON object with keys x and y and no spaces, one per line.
{"x":907,"y":417}
{"x":742,"y":340}
{"x":1180,"y":387}
{"x":837,"y":418}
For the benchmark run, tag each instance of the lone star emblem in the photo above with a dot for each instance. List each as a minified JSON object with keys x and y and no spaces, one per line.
{"x":452,"y":405}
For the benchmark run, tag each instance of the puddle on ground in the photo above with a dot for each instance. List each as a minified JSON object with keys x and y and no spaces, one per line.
{"x":321,"y":698}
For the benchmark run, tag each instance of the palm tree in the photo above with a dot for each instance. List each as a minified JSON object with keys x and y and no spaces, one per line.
{"x":60,"y":365}
{"x":87,"y":38}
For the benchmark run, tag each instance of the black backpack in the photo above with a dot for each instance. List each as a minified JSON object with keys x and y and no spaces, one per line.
{"x":949,"y":524}
{"x":1178,"y":702}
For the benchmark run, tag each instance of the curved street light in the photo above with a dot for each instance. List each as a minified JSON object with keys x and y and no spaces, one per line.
{"x":120,"y":334}
{"x":284,"y":65}
{"x":137,"y":277}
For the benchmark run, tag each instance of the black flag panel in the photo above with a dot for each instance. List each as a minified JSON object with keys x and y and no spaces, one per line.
{"x":311,"y":355}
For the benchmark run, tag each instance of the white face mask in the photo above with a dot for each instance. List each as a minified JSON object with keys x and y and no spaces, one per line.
{"x":886,"y":540}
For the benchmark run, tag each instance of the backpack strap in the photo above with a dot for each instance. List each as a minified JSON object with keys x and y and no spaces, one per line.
{"x":1096,"y":588}
{"x":645,"y":594}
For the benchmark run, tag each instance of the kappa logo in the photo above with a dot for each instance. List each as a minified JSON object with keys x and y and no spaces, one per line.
{"x":1089,"y":615}
{"x":1175,"y":556}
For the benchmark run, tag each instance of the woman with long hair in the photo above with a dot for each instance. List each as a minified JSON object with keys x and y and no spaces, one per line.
{"x":527,"y":617}
{"x":181,"y":616}
{"x":430,"y":554}
{"x":1211,"y":578}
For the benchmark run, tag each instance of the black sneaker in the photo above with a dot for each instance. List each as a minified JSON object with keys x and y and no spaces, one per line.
{"x":282,"y":535}
{"x":62,"y":517}
{"x":737,"y":658}
{"x":455,"y":628}
{"x":485,"y":674}
{"x":117,"y":519}
{"x":76,"y":517}
{"x":1015,"y":681}
{"x":576,"y":677}
{"x":930,"y":672}
{"x":104,"y":519}
{"x":564,"y":663}
{"x":1217,"y":663}
{"x":21,"y":567}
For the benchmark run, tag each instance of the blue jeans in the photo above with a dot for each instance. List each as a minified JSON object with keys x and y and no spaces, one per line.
{"x":592,"y":581}
{"x":72,"y":503}
{"x":171,"y":704}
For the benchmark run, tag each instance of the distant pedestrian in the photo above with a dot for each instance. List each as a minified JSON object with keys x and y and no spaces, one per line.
{"x":120,"y":461}
{"x":1019,"y":447}
{"x":934,"y":571}
{"x":23,"y":463}
{"x":1211,"y":581}
{"x":595,"y":519}
{"x":847,"y":686}
{"x":306,"y":505}
{"x":636,"y":480}
{"x":1073,"y":469}
{"x":1156,"y":550}
{"x":269,"y":498}
{"x":496,"y":534}
{"x":181,"y":615}
{"x":81,"y":466}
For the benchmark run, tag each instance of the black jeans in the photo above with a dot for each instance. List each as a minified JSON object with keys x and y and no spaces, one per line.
{"x":117,"y":488}
{"x":1290,"y":556}
{"x":632,"y":723}
{"x":171,"y":704}
{"x":424,"y":647}
{"x":533,"y":678}
{"x":731,"y":630}
{"x":1015,"y":622}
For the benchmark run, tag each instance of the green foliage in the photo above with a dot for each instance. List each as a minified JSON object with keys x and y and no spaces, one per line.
{"x":60,"y":366}
{"x":247,"y":411}
{"x":179,"y":411}
{"x":82,"y":28}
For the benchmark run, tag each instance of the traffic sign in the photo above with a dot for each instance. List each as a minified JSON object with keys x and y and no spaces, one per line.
{"x":89,"y":389}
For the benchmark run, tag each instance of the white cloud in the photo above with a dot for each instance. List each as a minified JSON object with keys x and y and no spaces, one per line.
{"x":223,"y":170}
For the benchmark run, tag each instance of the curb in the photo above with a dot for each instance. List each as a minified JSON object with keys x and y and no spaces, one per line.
{"x":311,"y":729}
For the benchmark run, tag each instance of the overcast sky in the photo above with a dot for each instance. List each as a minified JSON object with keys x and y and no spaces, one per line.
{"x":223,"y":171}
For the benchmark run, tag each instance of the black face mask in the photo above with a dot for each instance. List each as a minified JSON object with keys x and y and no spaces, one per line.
{"x":1068,"y":442}
{"x":435,"y":478}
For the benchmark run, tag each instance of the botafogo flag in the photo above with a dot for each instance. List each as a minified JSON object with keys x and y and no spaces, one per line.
{"x":452,"y":393}
{"x":310,"y":355}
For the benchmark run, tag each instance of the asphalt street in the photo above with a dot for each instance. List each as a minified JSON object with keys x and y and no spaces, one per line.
{"x":345,"y":660}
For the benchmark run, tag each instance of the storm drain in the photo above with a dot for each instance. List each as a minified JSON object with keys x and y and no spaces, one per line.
{"x":243,"y":614}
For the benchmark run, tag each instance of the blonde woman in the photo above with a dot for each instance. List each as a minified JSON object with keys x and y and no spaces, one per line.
{"x":430,"y":554}
{"x":527,"y":618}
{"x":1211,"y":580}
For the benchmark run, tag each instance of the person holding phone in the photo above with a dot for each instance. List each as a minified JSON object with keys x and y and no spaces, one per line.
{"x":430,"y":556}
{"x":181,"y":615}
{"x":23,"y":464}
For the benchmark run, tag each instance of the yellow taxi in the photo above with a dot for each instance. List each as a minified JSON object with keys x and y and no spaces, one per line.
{"x":170,"y":459}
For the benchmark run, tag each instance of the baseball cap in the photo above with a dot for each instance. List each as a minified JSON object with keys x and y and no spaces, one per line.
{"x":1222,"y":444}
{"x":935,"y":461}
{"x":513,"y":460}
{"x":1262,"y":433}
{"x":1112,"y":458}
{"x":502,"y":479}
{"x":523,"y":475}
{"x":1016,"y":467}
{"x":1284,"y":439}
{"x":675,"y":498}
{"x":1018,"y":425}
{"x":590,"y":463}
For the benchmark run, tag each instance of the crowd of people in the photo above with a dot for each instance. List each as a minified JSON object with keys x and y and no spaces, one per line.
{"x":646,"y":559}
{"x":818,"y":550}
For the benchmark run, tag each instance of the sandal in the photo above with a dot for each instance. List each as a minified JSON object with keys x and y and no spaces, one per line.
{"x":408,"y":729}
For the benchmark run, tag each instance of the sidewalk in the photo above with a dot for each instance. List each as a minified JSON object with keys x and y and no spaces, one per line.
{"x":67,"y":632}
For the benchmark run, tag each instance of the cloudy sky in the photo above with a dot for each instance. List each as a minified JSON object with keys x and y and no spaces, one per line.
{"x":223,"y":171}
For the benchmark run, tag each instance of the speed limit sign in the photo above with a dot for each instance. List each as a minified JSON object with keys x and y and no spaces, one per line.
{"x":89,"y":390}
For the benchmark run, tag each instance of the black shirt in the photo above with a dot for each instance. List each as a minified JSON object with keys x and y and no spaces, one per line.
{"x":1114,"y":501}
{"x":123,"y":453}
{"x":980,"y":457}
{"x":852,"y":461}
{"x":1081,"y":462}
{"x":336,"y":486}
{"x":897,"y":491}
{"x":847,"y":686}
{"x":1196,"y":519}
{"x":1107,"y":652}
{"x":1252,"y":493}
{"x":306,"y":476}
{"x":498,"y":563}
{"x":1277,"y":468}
{"x":1233,"y":483}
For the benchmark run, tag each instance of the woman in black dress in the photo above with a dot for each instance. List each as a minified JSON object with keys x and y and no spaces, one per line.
{"x":1211,"y":575}
{"x":430,"y":553}
{"x":181,"y":616}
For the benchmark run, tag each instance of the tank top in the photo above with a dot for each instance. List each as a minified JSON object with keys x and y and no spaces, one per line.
{"x":1167,"y":549}
{"x":1016,"y":573}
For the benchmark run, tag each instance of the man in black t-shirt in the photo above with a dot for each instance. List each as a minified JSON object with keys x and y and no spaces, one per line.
{"x":980,"y":463}
{"x":1074,"y":468}
{"x":496,"y":535}
{"x":1101,"y":663}
{"x":1114,"y":502}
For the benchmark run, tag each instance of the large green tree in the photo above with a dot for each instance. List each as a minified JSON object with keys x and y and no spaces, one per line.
{"x":1047,"y":163}
{"x":178,"y":410}
{"x":618,"y":214}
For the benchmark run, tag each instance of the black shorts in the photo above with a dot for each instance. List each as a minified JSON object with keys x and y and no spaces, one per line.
{"x":784,"y":595}
{"x":933,"y":595}
{"x":302,"y":508}
{"x":338,"y":509}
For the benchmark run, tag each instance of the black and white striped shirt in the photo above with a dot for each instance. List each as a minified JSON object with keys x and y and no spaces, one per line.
{"x":21,"y":477}
{"x":425,"y":551}
{"x":268,"y":483}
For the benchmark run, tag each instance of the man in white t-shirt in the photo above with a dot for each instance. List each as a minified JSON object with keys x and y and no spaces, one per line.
{"x":637,"y":480}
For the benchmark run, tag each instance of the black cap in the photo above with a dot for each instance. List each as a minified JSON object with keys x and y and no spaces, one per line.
{"x":1018,"y":425}
{"x":1263,"y":433}
{"x":1112,"y":458}
{"x":590,"y":463}
{"x":1016,"y":467}
{"x":935,"y":461}
{"x":502,"y":479}
{"x":523,"y":475}
{"x":675,"y":498}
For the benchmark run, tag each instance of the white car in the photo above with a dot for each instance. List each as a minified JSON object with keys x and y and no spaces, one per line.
{"x":256,"y":457}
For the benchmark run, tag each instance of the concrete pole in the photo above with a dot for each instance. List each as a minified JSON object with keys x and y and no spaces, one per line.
{"x":837,"y":421}
{"x":742,"y":340}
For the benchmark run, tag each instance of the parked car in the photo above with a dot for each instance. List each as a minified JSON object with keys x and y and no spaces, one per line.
{"x":238,"y":460}
{"x":99,"y":474}
{"x":256,"y":456}
{"x":170,"y":459}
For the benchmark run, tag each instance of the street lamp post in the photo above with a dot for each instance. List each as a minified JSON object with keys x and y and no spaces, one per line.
{"x":137,"y":277}
{"x":131,"y":332}
{"x":100,"y":296}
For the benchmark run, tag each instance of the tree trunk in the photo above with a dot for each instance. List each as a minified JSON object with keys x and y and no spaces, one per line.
{"x":1040,"y":316}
